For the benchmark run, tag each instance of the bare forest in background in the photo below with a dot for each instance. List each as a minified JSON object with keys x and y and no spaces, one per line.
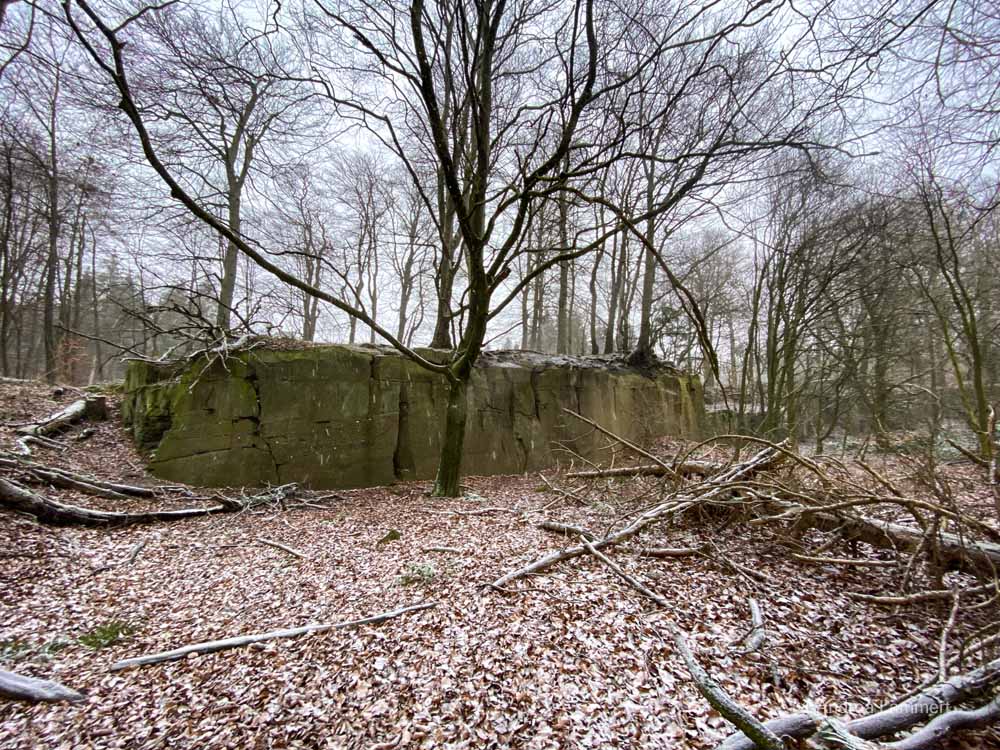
{"x":797,"y":203}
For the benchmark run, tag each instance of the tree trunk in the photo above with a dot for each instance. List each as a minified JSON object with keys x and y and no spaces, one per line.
{"x":595,"y":270}
{"x":229,"y":268}
{"x":562,"y":322}
{"x":445,"y":277}
{"x":50,"y":339}
{"x":644,"y":346}
{"x":450,"y":466}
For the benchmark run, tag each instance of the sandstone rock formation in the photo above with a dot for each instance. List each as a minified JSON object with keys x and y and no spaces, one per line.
{"x":350,"y":416}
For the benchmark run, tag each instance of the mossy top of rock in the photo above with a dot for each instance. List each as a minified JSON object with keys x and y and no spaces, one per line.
{"x":615,"y":362}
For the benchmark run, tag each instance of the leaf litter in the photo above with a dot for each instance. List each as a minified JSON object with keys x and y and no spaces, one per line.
{"x":569,"y":658}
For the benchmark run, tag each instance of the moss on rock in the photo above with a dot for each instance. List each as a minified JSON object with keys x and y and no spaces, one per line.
{"x":346,"y":416}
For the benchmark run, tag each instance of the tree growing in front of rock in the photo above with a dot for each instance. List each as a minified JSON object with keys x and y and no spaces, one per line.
{"x":501,"y":110}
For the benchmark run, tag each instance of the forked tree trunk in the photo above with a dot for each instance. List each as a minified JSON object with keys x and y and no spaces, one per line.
{"x":450,"y":465}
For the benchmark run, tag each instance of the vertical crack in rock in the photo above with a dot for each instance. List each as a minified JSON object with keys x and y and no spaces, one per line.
{"x":535,"y":375}
{"x":403,"y":464}
{"x":258,"y":433}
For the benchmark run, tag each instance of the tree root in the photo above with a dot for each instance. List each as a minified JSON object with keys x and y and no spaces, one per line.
{"x":46,"y":510}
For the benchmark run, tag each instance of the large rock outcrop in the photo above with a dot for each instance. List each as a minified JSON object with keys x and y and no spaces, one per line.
{"x":346,"y":416}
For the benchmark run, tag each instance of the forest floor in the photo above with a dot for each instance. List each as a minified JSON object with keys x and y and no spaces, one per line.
{"x":571,"y":658}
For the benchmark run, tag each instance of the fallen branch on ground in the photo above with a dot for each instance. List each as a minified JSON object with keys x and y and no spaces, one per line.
{"x":705,"y":468}
{"x":672,"y":551}
{"x":635,"y":583}
{"x":716,"y":486}
{"x":898,"y":718}
{"x":846,"y":561}
{"x":21,"y":688}
{"x":760,"y":735}
{"x":707,"y":686}
{"x":627,"y":443}
{"x":478,"y":511}
{"x":133,"y":556}
{"x":989,"y":464}
{"x":282,"y":547}
{"x":924,"y":596}
{"x":566,"y":529}
{"x":754,"y":640}
{"x":208,"y":647}
{"x":947,"y":724}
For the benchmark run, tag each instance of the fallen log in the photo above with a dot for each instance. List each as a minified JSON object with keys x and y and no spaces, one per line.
{"x":704,"y":468}
{"x":92,"y":407}
{"x":952,"y":550}
{"x":208,"y":647}
{"x":898,"y":718}
{"x":46,"y":510}
{"x":21,"y":688}
{"x":716,"y":486}
{"x":932,"y":735}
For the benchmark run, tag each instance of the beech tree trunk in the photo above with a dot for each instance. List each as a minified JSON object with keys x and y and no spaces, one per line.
{"x":450,"y":465}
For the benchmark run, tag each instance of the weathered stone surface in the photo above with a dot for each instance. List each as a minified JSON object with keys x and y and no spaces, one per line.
{"x":342,"y":416}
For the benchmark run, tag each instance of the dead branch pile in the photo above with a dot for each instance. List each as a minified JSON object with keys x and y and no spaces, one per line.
{"x":781,"y":489}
